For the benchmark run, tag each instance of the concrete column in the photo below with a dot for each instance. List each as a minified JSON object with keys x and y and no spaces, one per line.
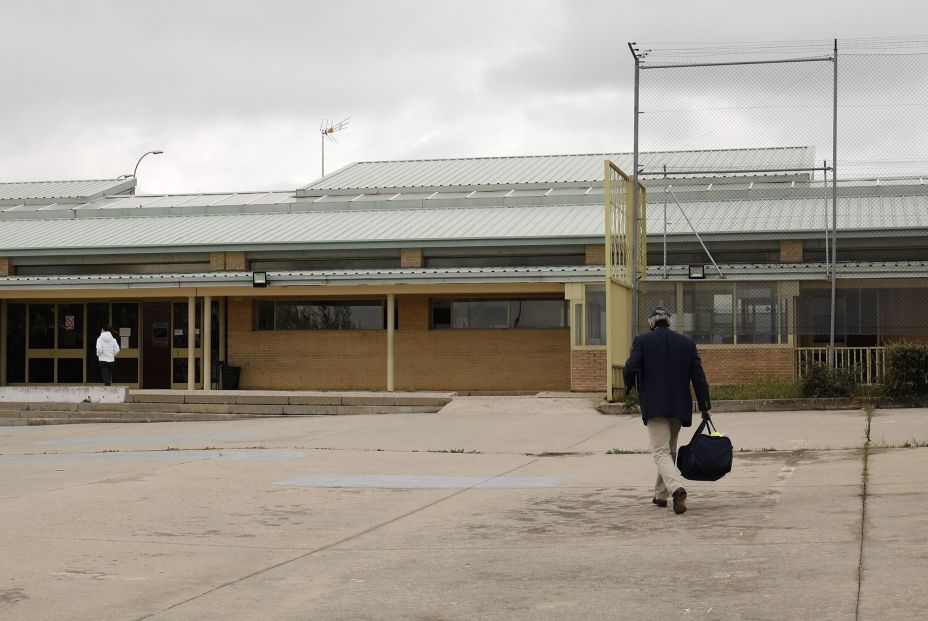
{"x":223,"y":351}
{"x":207,"y":342}
{"x":391,"y":314}
{"x":191,"y":342}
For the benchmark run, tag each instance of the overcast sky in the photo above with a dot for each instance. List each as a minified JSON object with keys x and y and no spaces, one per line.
{"x":234,"y":91}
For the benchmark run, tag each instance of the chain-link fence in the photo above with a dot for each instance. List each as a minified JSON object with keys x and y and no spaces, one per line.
{"x":764,"y":161}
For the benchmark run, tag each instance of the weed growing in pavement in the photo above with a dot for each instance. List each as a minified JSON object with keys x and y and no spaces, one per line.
{"x":459,"y":451}
{"x":618,"y":451}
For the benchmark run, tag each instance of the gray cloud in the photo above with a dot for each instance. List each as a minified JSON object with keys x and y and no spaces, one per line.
{"x":233,"y":91}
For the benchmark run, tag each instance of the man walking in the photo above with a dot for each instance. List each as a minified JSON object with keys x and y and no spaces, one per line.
{"x":662,"y":365}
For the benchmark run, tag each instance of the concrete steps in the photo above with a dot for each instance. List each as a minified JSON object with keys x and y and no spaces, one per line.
{"x":177,"y":405}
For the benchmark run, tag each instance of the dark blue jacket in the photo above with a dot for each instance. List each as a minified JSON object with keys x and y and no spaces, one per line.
{"x":662,"y":366}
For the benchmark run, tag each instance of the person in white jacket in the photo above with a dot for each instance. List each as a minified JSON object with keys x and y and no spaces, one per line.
{"x":107,"y":348}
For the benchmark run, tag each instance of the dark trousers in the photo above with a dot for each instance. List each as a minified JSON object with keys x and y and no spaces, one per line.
{"x":106,"y":370}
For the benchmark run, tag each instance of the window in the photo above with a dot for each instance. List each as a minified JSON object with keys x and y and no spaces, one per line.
{"x":321,"y":315}
{"x":758,"y":313}
{"x":595,"y":315}
{"x":707,"y":314}
{"x":42,"y":326}
{"x":492,"y":313}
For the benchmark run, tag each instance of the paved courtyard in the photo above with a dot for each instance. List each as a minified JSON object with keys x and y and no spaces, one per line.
{"x":494,"y":508}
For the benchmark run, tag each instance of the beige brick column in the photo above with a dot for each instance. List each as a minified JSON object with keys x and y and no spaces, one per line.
{"x":410,"y":257}
{"x":217,"y":261}
{"x":791,"y":251}
{"x":5,"y":268}
{"x":595,"y":254}
{"x":235,"y":262}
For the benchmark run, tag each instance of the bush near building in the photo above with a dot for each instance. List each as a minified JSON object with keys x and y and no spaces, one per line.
{"x":906,"y":370}
{"x":823,"y":381}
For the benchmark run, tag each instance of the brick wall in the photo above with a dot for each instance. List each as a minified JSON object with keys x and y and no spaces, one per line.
{"x":790,"y":251}
{"x":743,"y":364}
{"x":588,"y":370}
{"x":291,"y":360}
{"x":478,"y":360}
{"x":596,"y":254}
{"x":217,"y":261}
{"x":489,"y":360}
{"x":5,"y":268}
{"x":235,"y":262}
{"x":410,"y":257}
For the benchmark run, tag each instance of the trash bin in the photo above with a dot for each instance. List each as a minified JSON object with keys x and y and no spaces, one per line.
{"x":230,"y":376}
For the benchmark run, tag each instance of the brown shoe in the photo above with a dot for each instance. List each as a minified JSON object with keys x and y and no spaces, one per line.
{"x":679,"y":501}
{"x":660,"y":502}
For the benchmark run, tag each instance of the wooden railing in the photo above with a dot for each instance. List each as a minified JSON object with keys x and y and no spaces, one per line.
{"x":867,"y":362}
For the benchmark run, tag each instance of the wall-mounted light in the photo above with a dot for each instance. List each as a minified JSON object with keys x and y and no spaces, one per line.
{"x":259,"y":279}
{"x":697,"y":272}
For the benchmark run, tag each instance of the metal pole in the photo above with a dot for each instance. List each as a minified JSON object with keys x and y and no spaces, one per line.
{"x":665,"y":223}
{"x":827,"y":228}
{"x":834,"y":210}
{"x":322,"y":136}
{"x":634,"y":215}
{"x":669,"y":190}
{"x":810,"y":59}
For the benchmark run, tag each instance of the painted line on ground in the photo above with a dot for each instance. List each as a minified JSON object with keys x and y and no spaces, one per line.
{"x":243,"y":455}
{"x":386,"y":481}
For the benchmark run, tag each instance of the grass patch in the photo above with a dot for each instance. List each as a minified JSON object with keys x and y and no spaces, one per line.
{"x":458,"y":451}
{"x":778,"y":389}
{"x":761,"y":389}
{"x":618,"y":451}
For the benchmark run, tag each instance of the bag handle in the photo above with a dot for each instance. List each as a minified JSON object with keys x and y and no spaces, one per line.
{"x":706,"y":423}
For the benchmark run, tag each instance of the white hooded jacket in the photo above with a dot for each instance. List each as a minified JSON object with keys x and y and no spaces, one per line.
{"x":107,"y":347}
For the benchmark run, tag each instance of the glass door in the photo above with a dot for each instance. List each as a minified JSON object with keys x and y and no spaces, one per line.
{"x":179,"y":339}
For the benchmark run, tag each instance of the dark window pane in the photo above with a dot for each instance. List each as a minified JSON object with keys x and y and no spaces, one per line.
{"x":532,"y":313}
{"x":179,"y":375}
{"x":16,"y":343}
{"x":265,"y":315}
{"x":70,"y":326}
{"x":41,"y":326}
{"x":41,"y":370}
{"x":180,"y":325}
{"x":492,"y":313}
{"x":321,"y":315}
{"x":70,"y":371}
{"x":441,"y":313}
{"x":595,"y":315}
{"x":757,"y":313}
{"x":126,"y":371}
{"x":126,"y":317}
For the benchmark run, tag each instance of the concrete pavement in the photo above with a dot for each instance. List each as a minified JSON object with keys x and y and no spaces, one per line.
{"x":494,"y":508}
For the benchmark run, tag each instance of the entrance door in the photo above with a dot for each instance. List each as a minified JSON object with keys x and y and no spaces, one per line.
{"x":156,"y":345}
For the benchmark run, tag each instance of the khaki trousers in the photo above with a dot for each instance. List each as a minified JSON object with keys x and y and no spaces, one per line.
{"x":663,"y":433}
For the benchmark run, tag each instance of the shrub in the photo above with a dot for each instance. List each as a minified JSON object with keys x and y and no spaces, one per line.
{"x":906,"y":373}
{"x":823,"y":381}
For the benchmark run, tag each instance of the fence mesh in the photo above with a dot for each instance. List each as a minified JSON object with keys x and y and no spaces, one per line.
{"x":753,"y":187}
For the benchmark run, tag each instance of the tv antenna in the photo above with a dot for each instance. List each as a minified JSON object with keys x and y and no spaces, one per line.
{"x":328,"y":128}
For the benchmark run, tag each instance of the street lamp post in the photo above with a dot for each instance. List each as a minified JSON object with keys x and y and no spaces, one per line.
{"x":135,"y":170}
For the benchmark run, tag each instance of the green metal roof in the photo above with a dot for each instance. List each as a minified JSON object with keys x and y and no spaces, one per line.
{"x":48,"y":192}
{"x":541,"y":170}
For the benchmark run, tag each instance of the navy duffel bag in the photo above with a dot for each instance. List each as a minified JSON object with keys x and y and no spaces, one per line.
{"x":706,"y":457}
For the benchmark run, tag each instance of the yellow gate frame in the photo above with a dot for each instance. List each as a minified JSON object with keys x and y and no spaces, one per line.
{"x":619,"y":203}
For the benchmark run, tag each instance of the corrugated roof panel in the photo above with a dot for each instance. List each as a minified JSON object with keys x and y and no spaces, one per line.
{"x":303,"y":227}
{"x":56,"y":190}
{"x":545,"y":169}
